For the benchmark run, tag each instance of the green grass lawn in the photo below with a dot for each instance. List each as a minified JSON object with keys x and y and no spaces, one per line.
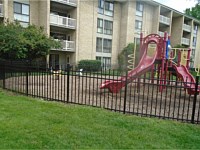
{"x":27,"y":123}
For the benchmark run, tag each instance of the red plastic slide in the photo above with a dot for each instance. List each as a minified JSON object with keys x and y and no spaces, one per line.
{"x":187,"y":78}
{"x":144,"y":65}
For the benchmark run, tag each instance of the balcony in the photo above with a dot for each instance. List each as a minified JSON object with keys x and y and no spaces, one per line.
{"x":161,"y":33}
{"x":61,"y":21}
{"x":1,"y":10}
{"x":186,"y":27}
{"x":185,"y":41}
{"x":67,"y":2}
{"x":164,"y":20}
{"x":67,"y":46}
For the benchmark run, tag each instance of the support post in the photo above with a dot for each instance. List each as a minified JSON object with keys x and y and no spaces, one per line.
{"x":195,"y":99}
{"x":188,"y":58}
{"x":4,"y":74}
{"x":27,"y":72}
{"x":125,"y":94}
{"x":68,"y":73}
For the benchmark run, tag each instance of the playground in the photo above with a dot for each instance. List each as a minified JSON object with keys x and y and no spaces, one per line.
{"x":160,"y":86}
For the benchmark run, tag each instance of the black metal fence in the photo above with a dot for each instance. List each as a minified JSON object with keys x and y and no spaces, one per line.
{"x":141,"y":97}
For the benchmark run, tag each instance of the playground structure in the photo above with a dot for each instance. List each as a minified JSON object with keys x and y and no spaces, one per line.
{"x":169,"y":62}
{"x":172,"y":102}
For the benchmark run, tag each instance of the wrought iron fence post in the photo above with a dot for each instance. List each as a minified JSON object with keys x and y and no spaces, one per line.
{"x":27,"y":71}
{"x":195,"y":99}
{"x":4,"y":75}
{"x":125,"y":94}
{"x":68,"y":74}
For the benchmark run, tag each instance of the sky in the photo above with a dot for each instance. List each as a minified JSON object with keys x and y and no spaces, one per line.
{"x":179,"y":5}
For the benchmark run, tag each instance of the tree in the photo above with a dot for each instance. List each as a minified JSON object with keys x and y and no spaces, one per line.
{"x":29,"y":43}
{"x":123,"y":56}
{"x":194,"y":11}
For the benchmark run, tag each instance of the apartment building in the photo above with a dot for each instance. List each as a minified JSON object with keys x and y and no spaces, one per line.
{"x":100,"y":29}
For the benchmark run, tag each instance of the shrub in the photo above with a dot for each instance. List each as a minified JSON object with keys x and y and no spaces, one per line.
{"x":123,"y":56}
{"x":89,"y":65}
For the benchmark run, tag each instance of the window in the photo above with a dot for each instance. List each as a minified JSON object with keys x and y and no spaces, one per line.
{"x":104,"y":26}
{"x":99,"y":45}
{"x":139,"y":9}
{"x":193,"y":52}
{"x":54,"y":61}
{"x":139,"y":6}
{"x":194,"y":41}
{"x":100,"y":6}
{"x":58,"y":36}
{"x":103,"y":45}
{"x":195,"y":27}
{"x":107,"y":46}
{"x":138,"y":24}
{"x":100,"y":25}
{"x":105,"y":7}
{"x":108,"y":25}
{"x":109,"y":8}
{"x":100,"y":3}
{"x":21,"y":13}
{"x":105,"y":62}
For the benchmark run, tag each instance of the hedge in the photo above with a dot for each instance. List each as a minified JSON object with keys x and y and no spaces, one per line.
{"x":89,"y":65}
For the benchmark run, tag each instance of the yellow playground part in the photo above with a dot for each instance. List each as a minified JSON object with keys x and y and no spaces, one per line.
{"x":197,"y":70}
{"x":184,"y":56}
{"x":180,"y":54}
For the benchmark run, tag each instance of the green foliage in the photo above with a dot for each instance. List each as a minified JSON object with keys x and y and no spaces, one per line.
{"x":123,"y":57}
{"x":89,"y":65}
{"x":24,"y":43}
{"x":194,"y":11}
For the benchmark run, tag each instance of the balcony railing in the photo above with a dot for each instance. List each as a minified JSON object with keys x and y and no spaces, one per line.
{"x":1,"y":9}
{"x":161,"y":33}
{"x":185,"y":41}
{"x":62,"y":21}
{"x":68,"y":46}
{"x":68,"y":2}
{"x":186,"y":27}
{"x":164,"y":20}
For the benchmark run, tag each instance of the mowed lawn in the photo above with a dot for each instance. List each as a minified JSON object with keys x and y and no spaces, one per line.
{"x":27,"y":123}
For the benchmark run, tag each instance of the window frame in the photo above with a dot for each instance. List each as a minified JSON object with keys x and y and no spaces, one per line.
{"x":99,"y":45}
{"x":101,"y":6}
{"x":139,"y":12}
{"x":106,"y":8}
{"x":99,"y":27}
{"x":194,"y":41}
{"x":21,"y":12}
{"x":137,"y":26}
{"x":107,"y":46}
{"x":139,"y":4}
{"x":109,"y":24}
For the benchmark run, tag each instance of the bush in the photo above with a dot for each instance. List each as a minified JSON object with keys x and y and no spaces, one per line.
{"x":89,"y":65}
{"x":123,"y":57}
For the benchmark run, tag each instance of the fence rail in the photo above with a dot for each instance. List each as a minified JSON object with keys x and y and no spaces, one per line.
{"x":140,"y":97}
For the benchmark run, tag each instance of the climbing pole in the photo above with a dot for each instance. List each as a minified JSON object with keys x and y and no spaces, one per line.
{"x":131,"y":59}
